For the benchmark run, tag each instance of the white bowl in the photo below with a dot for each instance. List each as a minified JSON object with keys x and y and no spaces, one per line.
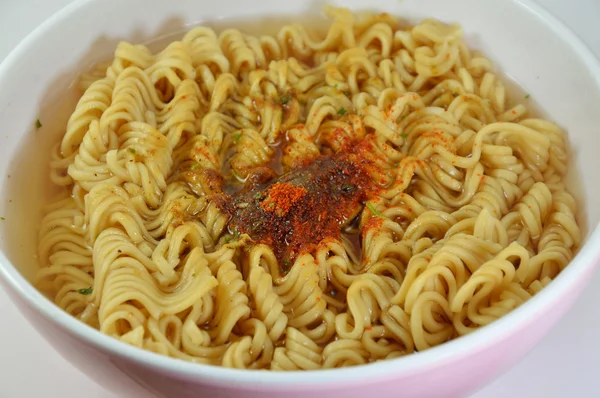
{"x":524,"y":41}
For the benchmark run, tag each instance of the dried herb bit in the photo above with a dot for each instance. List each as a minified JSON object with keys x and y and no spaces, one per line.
{"x":374,"y":210}
{"x":285,"y":265}
{"x":2,"y":219}
{"x":38,"y":124}
{"x":284,"y":99}
{"x":237,"y":137}
{"x":86,"y":291}
{"x":195,"y":166}
{"x":256,"y":226}
{"x":527,"y":96}
{"x":341,"y":112}
{"x":259,"y":195}
{"x":405,"y":136}
{"x":131,"y":151}
{"x":347,"y":188}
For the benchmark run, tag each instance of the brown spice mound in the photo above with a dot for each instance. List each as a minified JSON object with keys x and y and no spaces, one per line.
{"x":294,"y":212}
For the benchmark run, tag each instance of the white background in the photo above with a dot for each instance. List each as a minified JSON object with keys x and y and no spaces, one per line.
{"x":565,"y":364}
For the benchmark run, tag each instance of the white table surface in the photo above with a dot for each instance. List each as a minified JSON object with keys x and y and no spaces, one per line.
{"x":564,"y":364}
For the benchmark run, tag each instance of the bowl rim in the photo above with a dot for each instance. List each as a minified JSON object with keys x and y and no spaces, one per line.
{"x":583,"y":262}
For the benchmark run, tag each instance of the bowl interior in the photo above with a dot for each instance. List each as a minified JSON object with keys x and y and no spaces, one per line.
{"x":38,"y":80}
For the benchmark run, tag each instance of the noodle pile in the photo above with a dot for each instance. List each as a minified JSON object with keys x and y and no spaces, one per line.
{"x":471,"y":220}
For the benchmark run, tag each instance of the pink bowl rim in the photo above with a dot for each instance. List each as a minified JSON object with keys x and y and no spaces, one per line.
{"x":580,"y":267}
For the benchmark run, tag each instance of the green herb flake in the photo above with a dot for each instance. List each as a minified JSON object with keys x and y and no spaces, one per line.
{"x":86,"y":291}
{"x":527,"y":96}
{"x":195,"y":166}
{"x":347,"y":188}
{"x":131,"y":151}
{"x":341,"y":112}
{"x":237,"y":137}
{"x":259,"y":196}
{"x":255,"y":225}
{"x":335,"y":86}
{"x":2,"y":219}
{"x":374,"y":210}
{"x":284,"y":99}
{"x":285,"y":174}
{"x":405,"y":136}
{"x":38,"y":124}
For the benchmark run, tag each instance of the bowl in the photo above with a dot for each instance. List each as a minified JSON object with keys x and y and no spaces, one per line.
{"x":36,"y":81}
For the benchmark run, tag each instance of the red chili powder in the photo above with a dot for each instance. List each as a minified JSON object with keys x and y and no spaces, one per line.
{"x":281,"y":197}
